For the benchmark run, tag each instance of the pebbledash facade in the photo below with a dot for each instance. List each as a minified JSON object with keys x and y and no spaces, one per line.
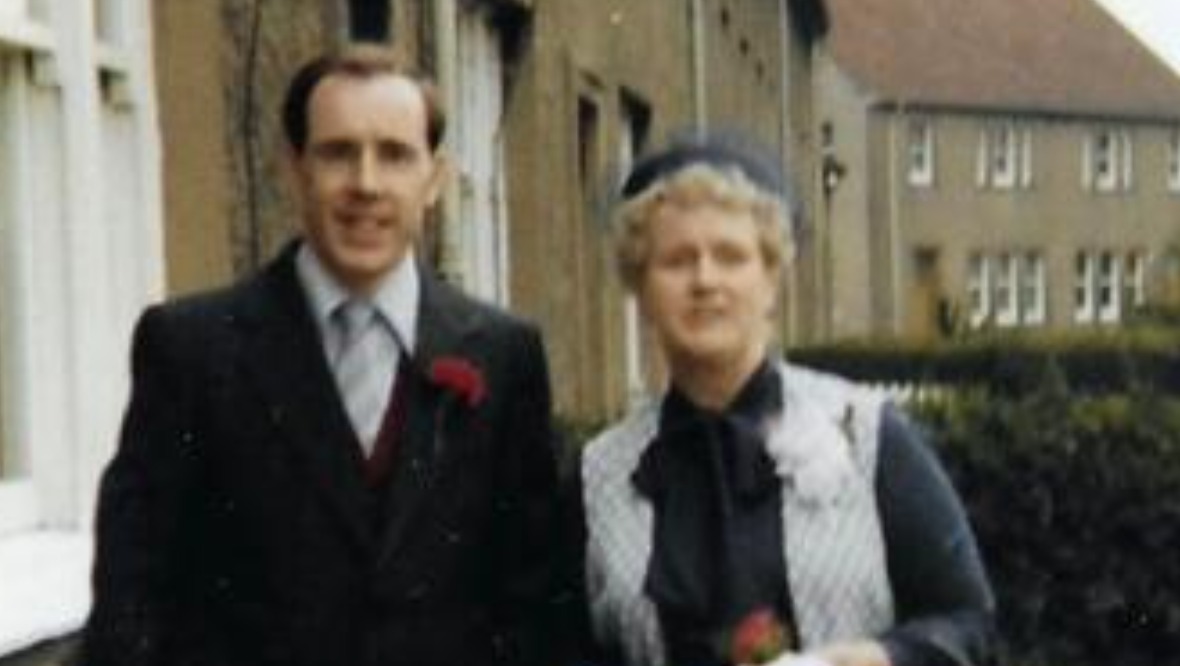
{"x":992,"y":165}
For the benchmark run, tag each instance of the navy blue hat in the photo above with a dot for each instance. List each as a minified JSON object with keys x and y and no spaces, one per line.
{"x":706,"y":151}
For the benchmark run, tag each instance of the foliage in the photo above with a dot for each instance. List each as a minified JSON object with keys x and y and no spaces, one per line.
{"x":1076,"y":503}
{"x":1100,"y":361}
{"x":1074,"y":495}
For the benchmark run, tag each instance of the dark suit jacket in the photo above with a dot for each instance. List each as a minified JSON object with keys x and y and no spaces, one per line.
{"x":234,"y":527}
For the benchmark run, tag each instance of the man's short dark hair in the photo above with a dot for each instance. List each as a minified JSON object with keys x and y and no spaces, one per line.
{"x":356,"y":61}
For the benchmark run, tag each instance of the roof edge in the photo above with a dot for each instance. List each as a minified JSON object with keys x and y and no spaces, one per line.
{"x":890,"y":104}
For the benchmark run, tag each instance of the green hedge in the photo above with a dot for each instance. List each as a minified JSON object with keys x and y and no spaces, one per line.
{"x":1096,"y":362}
{"x":1076,"y":503}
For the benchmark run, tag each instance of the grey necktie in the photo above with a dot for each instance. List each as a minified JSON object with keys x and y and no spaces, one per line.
{"x":362,"y":367}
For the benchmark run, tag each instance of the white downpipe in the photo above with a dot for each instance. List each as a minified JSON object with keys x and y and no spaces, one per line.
{"x":447,"y":40}
{"x":791,"y":314}
{"x":895,"y":222}
{"x":699,"y":63}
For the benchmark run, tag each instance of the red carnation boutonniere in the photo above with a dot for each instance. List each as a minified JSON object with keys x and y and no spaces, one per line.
{"x":461,"y":377}
{"x":759,"y":638}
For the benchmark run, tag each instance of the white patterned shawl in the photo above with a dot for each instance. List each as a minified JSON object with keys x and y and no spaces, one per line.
{"x":824,"y":447}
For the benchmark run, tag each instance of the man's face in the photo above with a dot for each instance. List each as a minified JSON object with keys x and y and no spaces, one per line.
{"x":366,"y":175}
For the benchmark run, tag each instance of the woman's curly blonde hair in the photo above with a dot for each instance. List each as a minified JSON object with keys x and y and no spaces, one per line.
{"x":702,"y":183}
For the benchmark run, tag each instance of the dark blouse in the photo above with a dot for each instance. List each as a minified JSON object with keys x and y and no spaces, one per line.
{"x":717,"y":542}
{"x":717,"y":546}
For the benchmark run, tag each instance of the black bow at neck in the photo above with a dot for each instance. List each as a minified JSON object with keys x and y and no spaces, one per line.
{"x":711,"y":482}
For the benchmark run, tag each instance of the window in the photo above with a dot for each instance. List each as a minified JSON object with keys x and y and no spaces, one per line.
{"x":1109,"y":285}
{"x":1134,"y":281}
{"x":1108,"y":293}
{"x":6,"y":455}
{"x":1032,"y":288}
{"x":7,"y":452}
{"x":72,"y":176}
{"x":1104,"y":160}
{"x":635,"y":124}
{"x":38,"y":9}
{"x":1005,"y":157}
{"x":1084,"y":297}
{"x":109,"y":21}
{"x":482,"y":248}
{"x":979,"y":289}
{"x":10,"y":182}
{"x":1174,"y":161}
{"x":369,"y":20}
{"x":1107,"y":161}
{"x":1000,"y":156}
{"x":1007,"y":269}
{"x":587,"y":146}
{"x":920,"y":153}
{"x":1007,"y":289}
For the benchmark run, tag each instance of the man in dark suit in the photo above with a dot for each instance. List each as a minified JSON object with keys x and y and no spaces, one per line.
{"x":267,"y":505}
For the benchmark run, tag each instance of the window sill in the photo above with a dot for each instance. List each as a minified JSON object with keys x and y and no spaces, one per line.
{"x":24,"y":34}
{"x":46,"y":591}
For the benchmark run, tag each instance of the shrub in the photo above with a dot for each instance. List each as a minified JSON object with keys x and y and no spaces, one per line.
{"x":1076,"y":503}
{"x":1091,"y":362}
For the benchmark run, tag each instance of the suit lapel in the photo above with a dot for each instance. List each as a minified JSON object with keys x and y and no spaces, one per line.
{"x":284,"y":357}
{"x":443,"y":322}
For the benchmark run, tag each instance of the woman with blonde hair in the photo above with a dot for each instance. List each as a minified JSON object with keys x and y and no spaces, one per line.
{"x":756,"y":503}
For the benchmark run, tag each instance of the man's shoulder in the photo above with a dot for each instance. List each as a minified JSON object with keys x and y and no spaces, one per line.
{"x":485,"y":313}
{"x":273,"y":281}
{"x":622,"y":442}
{"x":207,"y":305}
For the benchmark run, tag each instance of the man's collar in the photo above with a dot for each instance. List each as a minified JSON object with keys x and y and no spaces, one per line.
{"x":397,"y":296}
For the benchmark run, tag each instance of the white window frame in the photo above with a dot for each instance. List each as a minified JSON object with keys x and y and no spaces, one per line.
{"x":1006,"y":289}
{"x":110,"y":22}
{"x":1032,"y":288}
{"x":39,"y":10}
{"x":920,"y":152}
{"x":11,"y":10}
{"x":1005,"y":157}
{"x":1026,"y":157}
{"x":42,"y":550}
{"x":1001,"y":155}
{"x":20,"y":509}
{"x":81,"y":254}
{"x":979,"y":293}
{"x":1109,"y":296}
{"x":1085,"y":280}
{"x":1126,"y":160}
{"x":482,"y":234}
{"x":1105,"y":169}
{"x":1108,"y":160}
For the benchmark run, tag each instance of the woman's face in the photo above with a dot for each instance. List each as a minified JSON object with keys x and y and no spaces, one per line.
{"x":707,"y":289}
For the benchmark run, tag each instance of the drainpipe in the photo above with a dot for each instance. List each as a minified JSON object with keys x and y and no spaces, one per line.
{"x":696,"y":12}
{"x":894,"y":220}
{"x":789,"y":316}
{"x":446,"y":41}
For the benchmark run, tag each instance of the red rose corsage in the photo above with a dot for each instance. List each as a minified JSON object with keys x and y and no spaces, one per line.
{"x":759,"y":638}
{"x":461,"y":377}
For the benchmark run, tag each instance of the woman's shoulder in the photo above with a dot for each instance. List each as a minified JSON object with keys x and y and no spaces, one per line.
{"x":822,"y":386}
{"x":623,"y":441}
